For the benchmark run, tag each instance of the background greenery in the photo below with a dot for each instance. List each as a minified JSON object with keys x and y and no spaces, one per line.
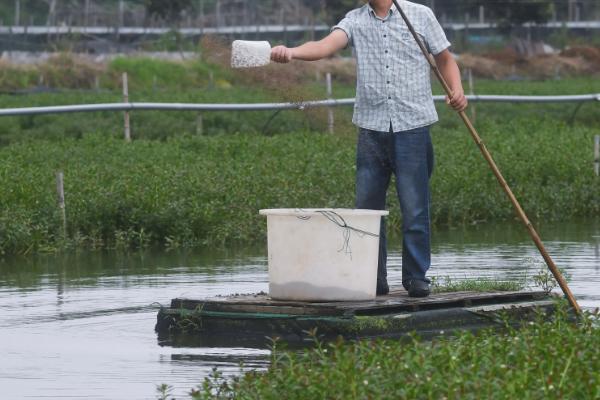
{"x":175,"y":187}
{"x":193,"y":190}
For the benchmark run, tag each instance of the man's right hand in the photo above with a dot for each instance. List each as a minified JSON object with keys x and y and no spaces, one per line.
{"x":281,"y":54}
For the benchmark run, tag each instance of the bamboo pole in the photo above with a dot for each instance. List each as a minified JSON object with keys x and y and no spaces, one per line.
{"x":488,"y":157}
{"x":127,"y":126}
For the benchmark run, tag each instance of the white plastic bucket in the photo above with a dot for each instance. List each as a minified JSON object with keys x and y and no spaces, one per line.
{"x":323,"y":254}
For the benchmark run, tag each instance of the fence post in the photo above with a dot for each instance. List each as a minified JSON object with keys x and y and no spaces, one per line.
{"x":597,"y":155}
{"x":126,"y":100}
{"x":120,"y":18}
{"x":570,"y":9}
{"x":330,"y":118}
{"x":17,"y":12}
{"x":218,"y":15}
{"x":51,"y":17}
{"x":86,"y":14}
{"x":472,"y":92}
{"x":199,"y":124}
{"x":60,"y":191}
{"x":466,"y":32}
{"x":201,"y":17}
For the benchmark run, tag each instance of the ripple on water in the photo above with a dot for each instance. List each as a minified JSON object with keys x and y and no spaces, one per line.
{"x":84,"y":326}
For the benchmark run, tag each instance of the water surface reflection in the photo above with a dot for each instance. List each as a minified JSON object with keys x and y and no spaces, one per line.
{"x":81,"y":325}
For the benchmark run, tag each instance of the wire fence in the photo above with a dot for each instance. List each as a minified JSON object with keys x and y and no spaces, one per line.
{"x":127,"y":107}
{"x":137,"y":106}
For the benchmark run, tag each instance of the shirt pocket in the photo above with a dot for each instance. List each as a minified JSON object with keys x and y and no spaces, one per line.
{"x":405,"y":36}
{"x":409,"y":43}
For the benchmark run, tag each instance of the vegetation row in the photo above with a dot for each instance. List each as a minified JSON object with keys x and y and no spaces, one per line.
{"x":190,"y":180}
{"x":200,"y":190}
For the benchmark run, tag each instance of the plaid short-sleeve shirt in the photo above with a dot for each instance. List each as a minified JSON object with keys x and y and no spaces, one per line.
{"x":393,"y":77}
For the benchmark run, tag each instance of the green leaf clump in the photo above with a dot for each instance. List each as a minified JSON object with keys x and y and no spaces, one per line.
{"x":206,"y":190}
{"x":544,"y":359}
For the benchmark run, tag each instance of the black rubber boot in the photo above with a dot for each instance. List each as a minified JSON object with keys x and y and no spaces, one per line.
{"x":418,"y":288}
{"x":382,"y":288}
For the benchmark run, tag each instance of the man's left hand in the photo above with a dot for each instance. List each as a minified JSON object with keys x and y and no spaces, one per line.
{"x":458,"y":101}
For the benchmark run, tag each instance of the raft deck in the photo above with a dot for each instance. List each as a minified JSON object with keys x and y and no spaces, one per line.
{"x":254,"y":317}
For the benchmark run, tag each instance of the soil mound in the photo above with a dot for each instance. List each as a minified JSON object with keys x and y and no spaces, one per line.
{"x":591,"y":54}
{"x":506,"y":64}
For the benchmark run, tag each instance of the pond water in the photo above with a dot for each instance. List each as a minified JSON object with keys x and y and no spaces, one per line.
{"x":81,"y":325}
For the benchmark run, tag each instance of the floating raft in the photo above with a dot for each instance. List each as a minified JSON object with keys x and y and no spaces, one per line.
{"x":254,"y":317}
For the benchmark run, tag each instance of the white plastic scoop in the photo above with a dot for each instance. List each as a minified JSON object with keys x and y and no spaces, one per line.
{"x":248,"y":54}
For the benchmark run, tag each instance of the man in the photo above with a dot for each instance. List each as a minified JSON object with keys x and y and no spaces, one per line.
{"x":393,"y":110}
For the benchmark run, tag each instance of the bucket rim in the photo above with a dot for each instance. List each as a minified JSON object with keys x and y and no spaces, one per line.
{"x":344,"y":212}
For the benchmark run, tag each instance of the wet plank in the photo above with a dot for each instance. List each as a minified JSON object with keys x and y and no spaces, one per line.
{"x":396,"y":301}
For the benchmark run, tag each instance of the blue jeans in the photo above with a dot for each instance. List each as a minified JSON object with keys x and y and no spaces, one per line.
{"x":409,"y":156}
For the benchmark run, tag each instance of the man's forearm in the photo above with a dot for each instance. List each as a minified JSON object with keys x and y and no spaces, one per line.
{"x":451,"y":73}
{"x":449,"y":70}
{"x":312,"y":51}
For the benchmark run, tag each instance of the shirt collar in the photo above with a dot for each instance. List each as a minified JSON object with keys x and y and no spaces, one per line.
{"x":391,"y":12}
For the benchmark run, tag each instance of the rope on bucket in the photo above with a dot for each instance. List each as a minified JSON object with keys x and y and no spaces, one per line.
{"x":341,"y":222}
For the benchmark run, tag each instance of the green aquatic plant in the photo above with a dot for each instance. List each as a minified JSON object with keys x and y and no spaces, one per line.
{"x":545,"y":280}
{"x":207,"y":190}
{"x":547,"y":358}
{"x":184,"y":183}
{"x":165,"y":392}
{"x":485,"y":284}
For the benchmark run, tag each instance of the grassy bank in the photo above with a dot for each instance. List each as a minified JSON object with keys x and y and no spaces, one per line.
{"x":200,"y":190}
{"x":542,"y":360}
